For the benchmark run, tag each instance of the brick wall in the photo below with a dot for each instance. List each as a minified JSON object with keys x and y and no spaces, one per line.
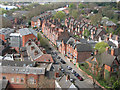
{"x":82,"y":56}
{"x":26,"y":38}
{"x":2,"y":37}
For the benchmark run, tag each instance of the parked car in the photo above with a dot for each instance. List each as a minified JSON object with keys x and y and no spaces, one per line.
{"x":73,"y":71}
{"x":80,"y":78}
{"x":76,"y":74}
{"x":69,"y":68}
{"x":62,"y":61}
{"x":72,"y":80}
{"x":58,"y":57}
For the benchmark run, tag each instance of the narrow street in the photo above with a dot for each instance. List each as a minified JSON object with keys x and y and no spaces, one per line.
{"x":86,"y":83}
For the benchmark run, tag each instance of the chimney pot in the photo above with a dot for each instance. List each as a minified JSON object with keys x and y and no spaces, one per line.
{"x":112,"y":51}
{"x":36,"y":52}
{"x":32,"y":47}
{"x":29,"y":43}
{"x":107,"y":48}
{"x":67,"y":77}
{"x":96,"y":52}
{"x":110,"y":36}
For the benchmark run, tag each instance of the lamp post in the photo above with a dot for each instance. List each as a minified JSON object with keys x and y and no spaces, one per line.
{"x":92,"y":54}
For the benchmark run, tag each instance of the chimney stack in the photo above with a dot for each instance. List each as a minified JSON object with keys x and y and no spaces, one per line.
{"x":116,"y":38}
{"x":96,"y":52}
{"x":107,"y":38}
{"x":107,"y":48}
{"x":110,"y":36}
{"x":29,"y":43}
{"x":35,"y":52}
{"x":112,"y":51}
{"x":32,"y":47}
{"x":56,"y":74}
{"x":67,"y":77}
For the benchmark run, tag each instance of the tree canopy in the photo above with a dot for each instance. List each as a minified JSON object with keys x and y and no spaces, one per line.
{"x":86,"y":33}
{"x":81,"y":5}
{"x":101,"y":46}
{"x":72,"y":6}
{"x":60,"y":14}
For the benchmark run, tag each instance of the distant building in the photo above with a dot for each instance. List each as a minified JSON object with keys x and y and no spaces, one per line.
{"x":18,"y":40}
{"x":5,"y":34}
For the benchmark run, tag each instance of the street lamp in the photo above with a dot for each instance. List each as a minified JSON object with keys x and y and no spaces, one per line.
{"x":92,"y":54}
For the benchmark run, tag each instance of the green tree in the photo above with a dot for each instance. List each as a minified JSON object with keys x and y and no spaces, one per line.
{"x":60,"y":14}
{"x":72,"y":6}
{"x":95,"y":19}
{"x":86,"y":33}
{"x":75,"y":13}
{"x":81,"y":5}
{"x":101,"y":46}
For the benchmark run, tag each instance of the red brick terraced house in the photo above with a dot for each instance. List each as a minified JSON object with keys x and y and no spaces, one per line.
{"x":37,"y":21}
{"x":77,"y":51}
{"x":53,"y":30}
{"x":78,"y":27}
{"x":108,"y":63}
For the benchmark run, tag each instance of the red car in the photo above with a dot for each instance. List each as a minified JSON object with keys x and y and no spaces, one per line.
{"x":80,"y":78}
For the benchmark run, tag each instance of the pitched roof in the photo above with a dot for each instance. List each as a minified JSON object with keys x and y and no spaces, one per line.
{"x":17,"y":63}
{"x":31,"y":52}
{"x":27,"y":31}
{"x":64,"y":83}
{"x":35,"y":18}
{"x":23,"y":70}
{"x":83,"y":47}
{"x":105,"y":58}
{"x":110,"y":23}
{"x":45,"y":58}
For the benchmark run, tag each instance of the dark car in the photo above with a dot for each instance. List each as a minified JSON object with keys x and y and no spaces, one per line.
{"x":69,"y":68}
{"x":58,"y":57}
{"x":62,"y":61}
{"x":76,"y":74}
{"x":80,"y":78}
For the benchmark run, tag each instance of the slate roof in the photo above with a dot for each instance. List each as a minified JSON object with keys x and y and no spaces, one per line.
{"x":6,"y":31}
{"x":31,"y":52}
{"x":17,"y":63}
{"x":35,"y":18}
{"x":3,"y":84}
{"x":111,"y":44}
{"x":105,"y":58}
{"x":23,"y":70}
{"x":27,"y":31}
{"x":64,"y":83}
{"x":83,"y":47}
{"x":110,"y":23}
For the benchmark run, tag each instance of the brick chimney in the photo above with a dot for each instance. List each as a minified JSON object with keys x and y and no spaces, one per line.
{"x":118,"y":45}
{"x":112,"y":51}
{"x":107,"y":38}
{"x":116,"y":38}
{"x":32,"y":47}
{"x":110,"y":36}
{"x":67,"y":77}
{"x":107,"y":48}
{"x":36,"y":42}
{"x":35,"y":52}
{"x":96,"y":52}
{"x":95,"y":28}
{"x":56,"y":74}
{"x":29,"y":43}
